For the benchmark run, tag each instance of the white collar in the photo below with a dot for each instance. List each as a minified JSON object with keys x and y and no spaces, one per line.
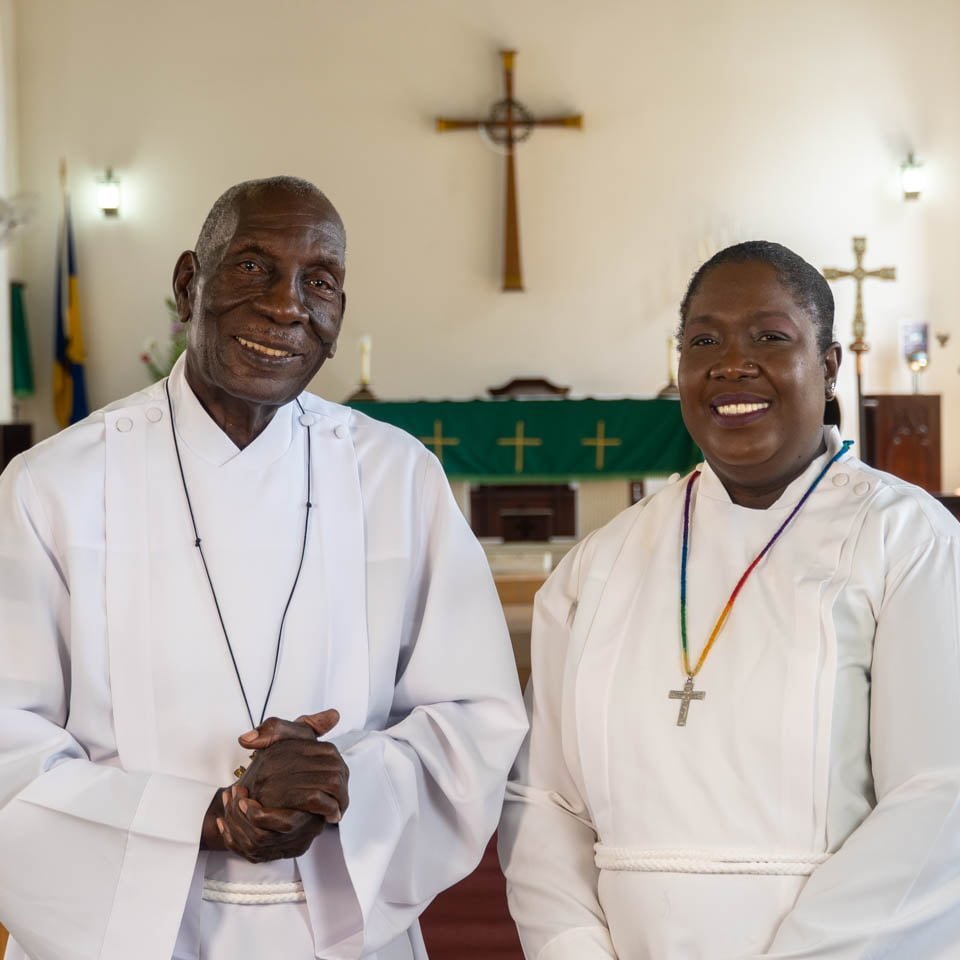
{"x":711,"y":486}
{"x":197,"y":430}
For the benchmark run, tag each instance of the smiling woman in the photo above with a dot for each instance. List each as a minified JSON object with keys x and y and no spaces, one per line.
{"x":755,"y":373}
{"x":740,"y":746}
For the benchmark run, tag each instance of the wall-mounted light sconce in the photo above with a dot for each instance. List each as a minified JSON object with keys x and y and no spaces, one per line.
{"x":911,"y":177}
{"x":108,"y":193}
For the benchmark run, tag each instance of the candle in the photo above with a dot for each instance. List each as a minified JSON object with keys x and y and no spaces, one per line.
{"x":365,"y":346}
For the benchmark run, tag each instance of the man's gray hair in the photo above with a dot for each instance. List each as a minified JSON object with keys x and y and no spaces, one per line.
{"x":222,"y":219}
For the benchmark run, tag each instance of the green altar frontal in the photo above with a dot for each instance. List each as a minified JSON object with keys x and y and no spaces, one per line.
{"x":546,"y":441}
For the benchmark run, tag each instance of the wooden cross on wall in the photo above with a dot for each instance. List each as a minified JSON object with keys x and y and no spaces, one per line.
{"x":508,"y":124}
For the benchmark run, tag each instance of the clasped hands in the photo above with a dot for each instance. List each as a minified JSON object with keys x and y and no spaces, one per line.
{"x":293,"y":786}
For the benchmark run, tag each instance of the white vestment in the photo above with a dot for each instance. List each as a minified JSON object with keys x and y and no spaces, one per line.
{"x":120,"y":709}
{"x":810,"y":808}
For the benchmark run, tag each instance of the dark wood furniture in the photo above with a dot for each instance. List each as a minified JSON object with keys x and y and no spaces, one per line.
{"x":901,"y":434}
{"x":533,"y":512}
{"x":14,"y":439}
{"x":529,"y":388}
{"x":470,"y":920}
{"x":951,"y":502}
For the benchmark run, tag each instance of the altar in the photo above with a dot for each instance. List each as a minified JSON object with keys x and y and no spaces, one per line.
{"x":534,"y":476}
{"x":502,"y":441}
{"x":544,"y":471}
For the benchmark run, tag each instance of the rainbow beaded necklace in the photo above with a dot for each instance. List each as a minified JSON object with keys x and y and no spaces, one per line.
{"x":688,"y":693}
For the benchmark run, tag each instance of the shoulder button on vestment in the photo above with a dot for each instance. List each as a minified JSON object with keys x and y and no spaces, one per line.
{"x":340,"y":431}
{"x":307,"y":419}
{"x":124,"y":424}
{"x":841,"y":480}
{"x":861,"y":488}
{"x":154,"y":414}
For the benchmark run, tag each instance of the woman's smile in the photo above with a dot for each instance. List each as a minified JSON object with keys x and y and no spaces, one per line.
{"x":753,"y":381}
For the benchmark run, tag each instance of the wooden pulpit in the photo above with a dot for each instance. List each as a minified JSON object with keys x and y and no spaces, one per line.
{"x":524,"y":511}
{"x":901,"y":434}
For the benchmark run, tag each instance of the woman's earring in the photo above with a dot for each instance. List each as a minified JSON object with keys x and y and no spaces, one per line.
{"x":831,"y":389}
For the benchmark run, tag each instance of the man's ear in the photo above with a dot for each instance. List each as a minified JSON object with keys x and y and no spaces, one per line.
{"x":184,"y":284}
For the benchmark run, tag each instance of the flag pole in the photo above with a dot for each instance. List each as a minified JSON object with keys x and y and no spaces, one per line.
{"x":69,"y":382}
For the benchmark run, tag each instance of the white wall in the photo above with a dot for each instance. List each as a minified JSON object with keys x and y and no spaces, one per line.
{"x":707,"y":121}
{"x":8,"y":149}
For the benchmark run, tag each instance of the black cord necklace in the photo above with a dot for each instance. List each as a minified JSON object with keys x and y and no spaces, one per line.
{"x":198,"y":544}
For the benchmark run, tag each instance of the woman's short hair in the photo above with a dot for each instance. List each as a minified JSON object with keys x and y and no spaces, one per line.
{"x":805,"y":282}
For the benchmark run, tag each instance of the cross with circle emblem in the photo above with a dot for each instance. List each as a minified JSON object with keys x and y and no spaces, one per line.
{"x":508,"y":124}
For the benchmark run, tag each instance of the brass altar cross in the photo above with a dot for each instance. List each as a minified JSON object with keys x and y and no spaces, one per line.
{"x":508,"y":124}
{"x":519,"y":442}
{"x":859,"y":346}
{"x":438,"y":441}
{"x":685,"y":696}
{"x":601,"y":442}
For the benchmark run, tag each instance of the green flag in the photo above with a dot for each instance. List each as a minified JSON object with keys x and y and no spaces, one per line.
{"x":20,"y":344}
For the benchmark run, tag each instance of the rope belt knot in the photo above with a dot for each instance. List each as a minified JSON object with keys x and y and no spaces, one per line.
{"x":785,"y":863}
{"x":227,"y":891}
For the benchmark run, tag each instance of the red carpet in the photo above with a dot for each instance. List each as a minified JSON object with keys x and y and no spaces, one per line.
{"x":470,"y":920}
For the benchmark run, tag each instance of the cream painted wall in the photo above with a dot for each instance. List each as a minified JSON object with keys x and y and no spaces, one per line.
{"x":8,"y":126}
{"x":707,"y":121}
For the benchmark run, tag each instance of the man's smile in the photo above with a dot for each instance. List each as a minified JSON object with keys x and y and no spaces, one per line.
{"x":264,"y":350}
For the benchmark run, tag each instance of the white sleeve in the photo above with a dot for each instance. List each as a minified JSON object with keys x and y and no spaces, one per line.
{"x":893,"y":888}
{"x":546,"y":835}
{"x":426,"y":793}
{"x":77,"y":838}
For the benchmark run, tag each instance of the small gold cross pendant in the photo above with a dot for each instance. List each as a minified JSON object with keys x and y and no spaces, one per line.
{"x":241,"y":770}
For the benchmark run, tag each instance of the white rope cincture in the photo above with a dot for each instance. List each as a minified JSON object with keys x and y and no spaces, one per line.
{"x":227,"y":891}
{"x":784,"y":863}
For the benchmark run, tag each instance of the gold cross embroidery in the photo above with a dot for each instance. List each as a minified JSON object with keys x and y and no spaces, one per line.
{"x":601,"y":442}
{"x":438,"y":441}
{"x":518,"y":441}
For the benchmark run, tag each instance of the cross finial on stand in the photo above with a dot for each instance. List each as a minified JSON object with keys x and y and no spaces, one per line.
{"x":860,"y":346}
{"x":508,"y":124}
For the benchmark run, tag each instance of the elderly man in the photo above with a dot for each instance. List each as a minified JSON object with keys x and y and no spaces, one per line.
{"x":221,"y":548}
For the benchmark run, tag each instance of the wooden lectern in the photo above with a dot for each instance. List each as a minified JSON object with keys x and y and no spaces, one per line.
{"x":901,"y":434}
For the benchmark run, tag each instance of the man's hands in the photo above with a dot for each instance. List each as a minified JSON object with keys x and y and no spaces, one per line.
{"x":307,"y":775}
{"x":294,"y":786}
{"x":260,"y":833}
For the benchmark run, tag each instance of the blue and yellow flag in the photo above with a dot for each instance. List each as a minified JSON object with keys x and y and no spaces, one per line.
{"x":69,"y":386}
